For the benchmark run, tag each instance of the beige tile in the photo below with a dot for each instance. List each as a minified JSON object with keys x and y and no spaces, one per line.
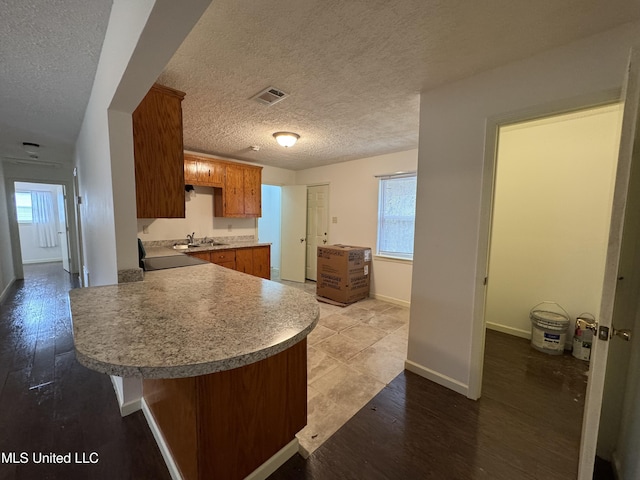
{"x":358,"y":313}
{"x":319,"y":334}
{"x":394,"y":344}
{"x":319,"y":363}
{"x":342,"y":347}
{"x":326,"y":309}
{"x":337,"y":322}
{"x":311,"y":392}
{"x":378,"y":363}
{"x":348,"y":387}
{"x":324,"y":418}
{"x":364,"y":333}
{"x":388,"y":323}
{"x":373,"y":305}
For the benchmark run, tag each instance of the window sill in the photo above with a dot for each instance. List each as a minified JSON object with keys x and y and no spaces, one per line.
{"x":387,"y":258}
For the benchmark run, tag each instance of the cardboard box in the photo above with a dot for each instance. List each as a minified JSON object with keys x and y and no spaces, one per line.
{"x":343,"y":273}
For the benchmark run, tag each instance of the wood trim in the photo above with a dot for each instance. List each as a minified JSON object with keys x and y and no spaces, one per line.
{"x":168,"y":91}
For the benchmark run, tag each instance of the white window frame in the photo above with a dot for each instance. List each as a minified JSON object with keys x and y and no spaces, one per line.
{"x":22,"y":221}
{"x":399,"y":256}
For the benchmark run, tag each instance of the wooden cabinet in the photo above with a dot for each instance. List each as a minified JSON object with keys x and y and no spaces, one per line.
{"x":262,"y":262}
{"x":159,"y":154}
{"x":202,"y":255}
{"x":203,"y":171}
{"x":237,"y":187}
{"x":225,"y":258}
{"x":254,"y":261}
{"x":241,"y":195}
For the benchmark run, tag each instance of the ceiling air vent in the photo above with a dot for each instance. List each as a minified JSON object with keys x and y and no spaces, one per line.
{"x":269,"y":96}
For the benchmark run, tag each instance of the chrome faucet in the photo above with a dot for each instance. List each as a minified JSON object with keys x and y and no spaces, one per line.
{"x":191,"y":237}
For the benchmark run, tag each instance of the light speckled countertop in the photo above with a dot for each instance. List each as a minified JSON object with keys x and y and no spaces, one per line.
{"x":166,"y":250}
{"x":189,"y":321}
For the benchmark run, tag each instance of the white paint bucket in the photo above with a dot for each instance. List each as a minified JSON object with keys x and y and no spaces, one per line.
{"x":549,"y":329}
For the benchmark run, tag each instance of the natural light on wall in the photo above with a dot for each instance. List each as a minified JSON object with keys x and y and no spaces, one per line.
{"x":396,"y":215}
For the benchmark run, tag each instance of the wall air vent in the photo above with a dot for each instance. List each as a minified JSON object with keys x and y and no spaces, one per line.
{"x":270,"y":95}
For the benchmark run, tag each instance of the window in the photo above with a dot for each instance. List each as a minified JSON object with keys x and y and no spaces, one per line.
{"x":396,"y":215}
{"x":23,"y":206}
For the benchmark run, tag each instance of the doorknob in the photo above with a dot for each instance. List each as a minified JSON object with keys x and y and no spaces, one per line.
{"x":623,"y":333}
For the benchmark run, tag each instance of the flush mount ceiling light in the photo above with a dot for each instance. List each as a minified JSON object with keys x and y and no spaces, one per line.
{"x":286,"y":139}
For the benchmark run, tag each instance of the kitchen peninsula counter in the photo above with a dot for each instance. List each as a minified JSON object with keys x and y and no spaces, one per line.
{"x":222,"y":356}
{"x":189,"y":321}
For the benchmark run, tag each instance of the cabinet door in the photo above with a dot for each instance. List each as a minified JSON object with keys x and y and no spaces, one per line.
{"x":158,"y":153}
{"x":223,"y":256}
{"x":190,"y":170}
{"x":244,"y":260}
{"x":262,"y":262}
{"x":252,"y":192}
{"x":234,"y":191}
{"x":210,"y":173}
{"x":201,"y":255}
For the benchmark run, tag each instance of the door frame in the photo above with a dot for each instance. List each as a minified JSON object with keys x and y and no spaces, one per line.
{"x":14,"y":232}
{"x":493,"y":125}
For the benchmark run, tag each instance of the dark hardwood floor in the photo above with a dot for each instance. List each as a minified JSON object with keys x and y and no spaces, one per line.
{"x":526,"y":425}
{"x":49,"y":403}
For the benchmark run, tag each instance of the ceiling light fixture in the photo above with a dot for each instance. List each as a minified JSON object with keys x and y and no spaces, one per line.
{"x":286,"y":139}
{"x":30,"y":147}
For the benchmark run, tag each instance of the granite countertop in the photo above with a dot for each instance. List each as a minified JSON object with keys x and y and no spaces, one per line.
{"x":186,"y":322}
{"x":165,"y":248}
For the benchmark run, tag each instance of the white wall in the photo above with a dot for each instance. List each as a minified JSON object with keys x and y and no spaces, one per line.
{"x":198,"y":218}
{"x":353,"y":199}
{"x":7,"y":275}
{"x":551,"y":215}
{"x":446,"y":327}
{"x":141,"y":37}
{"x":32,"y":252}
{"x":271,"y":220}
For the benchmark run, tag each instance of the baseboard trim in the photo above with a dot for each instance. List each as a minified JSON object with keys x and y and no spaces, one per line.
{"x":42,"y":260}
{"x":125,"y":408}
{"x":517,"y":332}
{"x":438,"y":378}
{"x":395,"y":301}
{"x":260,"y":473}
{"x":162,"y":445}
{"x":275,"y":462}
{"x":5,"y":292}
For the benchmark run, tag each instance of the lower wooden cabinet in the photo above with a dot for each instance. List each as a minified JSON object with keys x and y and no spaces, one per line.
{"x":255,"y":261}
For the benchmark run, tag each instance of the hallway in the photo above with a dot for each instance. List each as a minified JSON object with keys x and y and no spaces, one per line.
{"x":51,"y":404}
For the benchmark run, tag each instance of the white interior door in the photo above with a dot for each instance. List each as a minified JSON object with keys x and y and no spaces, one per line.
{"x":294,"y":226}
{"x":317,"y":225}
{"x":63,"y":228}
{"x":620,"y":296}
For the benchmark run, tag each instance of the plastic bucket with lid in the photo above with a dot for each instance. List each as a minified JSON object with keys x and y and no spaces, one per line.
{"x":548,"y":328}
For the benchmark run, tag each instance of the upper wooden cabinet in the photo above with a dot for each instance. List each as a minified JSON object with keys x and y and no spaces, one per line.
{"x":203,"y":171}
{"x":159,"y":155}
{"x":237,"y":186}
{"x":241,"y":195}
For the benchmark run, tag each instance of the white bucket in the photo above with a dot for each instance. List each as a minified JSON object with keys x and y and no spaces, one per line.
{"x":549,"y":329}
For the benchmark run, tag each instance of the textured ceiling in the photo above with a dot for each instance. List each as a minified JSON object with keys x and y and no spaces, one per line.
{"x":49,"y":52}
{"x":353,"y":70}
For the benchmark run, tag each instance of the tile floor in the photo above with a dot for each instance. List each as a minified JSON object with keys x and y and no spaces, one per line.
{"x":353,"y":353}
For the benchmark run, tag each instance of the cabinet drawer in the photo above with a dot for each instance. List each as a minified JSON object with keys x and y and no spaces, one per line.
{"x":223,"y":256}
